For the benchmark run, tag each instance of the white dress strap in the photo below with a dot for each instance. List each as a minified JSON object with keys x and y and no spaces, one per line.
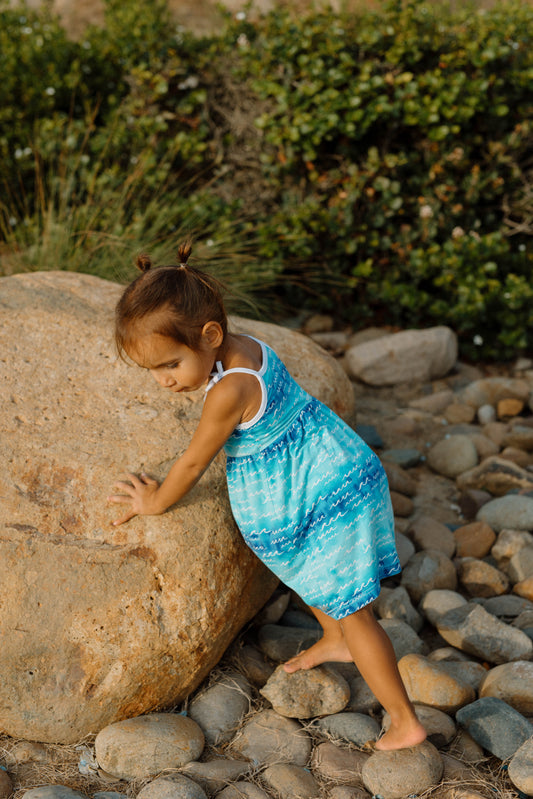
{"x":216,"y":377}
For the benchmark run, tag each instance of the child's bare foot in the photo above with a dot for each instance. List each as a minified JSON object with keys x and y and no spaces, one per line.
{"x":326,"y":650}
{"x":401,"y":737}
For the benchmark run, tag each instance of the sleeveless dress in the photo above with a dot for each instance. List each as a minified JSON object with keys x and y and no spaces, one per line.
{"x":311,"y":499}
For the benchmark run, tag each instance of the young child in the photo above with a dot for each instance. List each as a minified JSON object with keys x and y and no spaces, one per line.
{"x":310,"y":498}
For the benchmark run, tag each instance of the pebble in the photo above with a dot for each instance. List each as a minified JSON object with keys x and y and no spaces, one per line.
{"x":318,"y":323}
{"x":429,"y":533}
{"x":243,"y":790}
{"x":270,"y":738}
{"x":466,"y":748}
{"x":496,"y":431}
{"x":356,"y":728}
{"x":439,"y":601}
{"x":520,"y":566}
{"x":480,"y":578}
{"x":518,"y":456}
{"x":507,"y":408}
{"x":6,"y":786}
{"x":513,"y":683}
{"x":396,"y":604}
{"x":507,"y":606}
{"x":496,"y":475}
{"x":473,"y":630}
{"x":426,"y":571}
{"x":405,"y":458}
{"x":404,"y":547}
{"x":524,"y":588}
{"x":459,"y":413}
{"x":307,"y":693}
{"x":344,"y":766}
{"x":495,"y":726}
{"x":140,"y":747}
{"x":172,"y":786}
{"x":490,"y":390}
{"x":299,"y":618}
{"x":456,"y":770}
{"x":486,"y":414}
{"x":512,"y":512}
{"x":521,"y":768}
{"x":214,"y":775}
{"x":474,"y":540}
{"x":347,"y":792}
{"x":362,"y":700}
{"x":395,"y":775}
{"x":485,"y":447}
{"x":31,"y":752}
{"x":53,"y":792}
{"x":439,"y":726}
{"x":219,"y":709}
{"x":520,"y":437}
{"x":471,"y":500}
{"x":429,"y":683}
{"x":399,"y":479}
{"x":401,"y":505}
{"x":452,"y":456}
{"x":253,"y":664}
{"x":433,"y":403}
{"x":274,"y":609}
{"x":466,"y":671}
{"x":508,"y":543}
{"x":291,"y":782}
{"x":281,"y":643}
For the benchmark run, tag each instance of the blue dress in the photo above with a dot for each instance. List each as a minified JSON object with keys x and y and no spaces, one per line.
{"x":311,"y":499}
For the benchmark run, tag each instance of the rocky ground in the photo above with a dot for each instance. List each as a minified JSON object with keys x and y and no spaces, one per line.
{"x":458,"y":450}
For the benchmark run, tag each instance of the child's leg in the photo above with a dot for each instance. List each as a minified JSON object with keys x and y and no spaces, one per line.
{"x":374,"y":656}
{"x":331,"y":647}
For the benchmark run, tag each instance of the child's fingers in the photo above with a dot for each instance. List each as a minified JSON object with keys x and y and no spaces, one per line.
{"x":122,"y":498}
{"x":148,"y":480}
{"x":124,"y":518}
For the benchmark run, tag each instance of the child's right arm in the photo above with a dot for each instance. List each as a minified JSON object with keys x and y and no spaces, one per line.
{"x":223,"y":410}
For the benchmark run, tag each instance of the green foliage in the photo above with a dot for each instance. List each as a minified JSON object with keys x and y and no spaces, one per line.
{"x":382,"y":161}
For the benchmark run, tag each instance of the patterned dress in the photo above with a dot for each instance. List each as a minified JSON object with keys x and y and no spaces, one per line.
{"x":310,"y":497}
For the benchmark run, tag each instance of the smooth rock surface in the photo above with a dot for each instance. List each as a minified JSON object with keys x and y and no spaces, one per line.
{"x":356,"y":728}
{"x":452,"y":456}
{"x":512,"y":683}
{"x":396,"y":604}
{"x":426,"y":571}
{"x":480,"y":579}
{"x":269,"y":738}
{"x":214,"y":775}
{"x":174,"y":786}
{"x":474,"y":540}
{"x":428,"y":533}
{"x":512,"y":511}
{"x":53,"y":792}
{"x":438,"y":602}
{"x":306,"y":693}
{"x":521,"y":768}
{"x":291,"y":782}
{"x":243,"y":790}
{"x":343,"y":766}
{"x":281,"y":643}
{"x":143,"y":746}
{"x":429,"y":683}
{"x":411,"y":355}
{"x":219,"y":709}
{"x":495,"y":725}
{"x":394,"y":775}
{"x":439,"y":726}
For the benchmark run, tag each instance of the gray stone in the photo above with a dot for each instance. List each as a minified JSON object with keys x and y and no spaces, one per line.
{"x":473,"y":630}
{"x":396,"y":604}
{"x":299,"y":618}
{"x":465,"y":671}
{"x":404,"y":547}
{"x":307,"y":692}
{"x":412,"y":355}
{"x":452,"y":456}
{"x":429,"y":683}
{"x":219,"y":709}
{"x":140,"y":747}
{"x":53,"y":792}
{"x":281,"y":643}
{"x":343,"y":766}
{"x":495,"y":726}
{"x":521,"y":768}
{"x":270,"y":738}
{"x":370,"y":435}
{"x":403,"y":638}
{"x":357,"y":728}
{"x":291,"y":782}
{"x":396,"y":774}
{"x":214,"y":775}
{"x":520,"y":566}
{"x":253,"y":664}
{"x":438,"y":602}
{"x":524,"y":622}
{"x":439,"y":726}
{"x":428,"y":533}
{"x":362,"y":700}
{"x":427,"y":571}
{"x":406,"y":458}
{"x":448,"y":654}
{"x":507,"y":606}
{"x":172,"y":786}
{"x":243,"y":790}
{"x":513,"y":683}
{"x":512,"y":511}
{"x":274,"y":608}
{"x":480,"y":578}
{"x":347,"y":792}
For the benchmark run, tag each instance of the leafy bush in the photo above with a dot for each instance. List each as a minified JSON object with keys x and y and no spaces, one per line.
{"x":383,"y":161}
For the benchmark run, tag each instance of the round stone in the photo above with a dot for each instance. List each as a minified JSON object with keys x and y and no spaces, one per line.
{"x":53,"y":792}
{"x":452,"y":456}
{"x":495,"y":725}
{"x":513,"y":683}
{"x":396,"y":774}
{"x":270,"y":738}
{"x":357,"y":728}
{"x":140,"y":747}
{"x":521,"y":768}
{"x":512,"y":511}
{"x":439,"y":726}
{"x":474,"y":540}
{"x":174,"y":786}
{"x":214,"y":775}
{"x":289,"y":781}
{"x":219,"y":709}
{"x":307,"y":693}
{"x":243,"y":790}
{"x":426,"y":571}
{"x":342,"y":766}
{"x":429,"y":683}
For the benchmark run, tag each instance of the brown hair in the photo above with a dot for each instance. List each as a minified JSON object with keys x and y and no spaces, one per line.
{"x":179,"y":298}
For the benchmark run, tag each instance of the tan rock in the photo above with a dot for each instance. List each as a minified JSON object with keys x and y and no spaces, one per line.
{"x":401,"y":505}
{"x":490,"y":390}
{"x":474,"y":540}
{"x":496,"y":475}
{"x":459,"y":413}
{"x":507,"y":408}
{"x":433,"y":403}
{"x":521,"y":437}
{"x":428,"y":683}
{"x":518,"y":456}
{"x":485,"y":447}
{"x":344,"y":766}
{"x":480,"y":578}
{"x":513,"y":683}
{"x":88,"y":608}
{"x":429,"y":533}
{"x":496,"y":431}
{"x":524,"y":588}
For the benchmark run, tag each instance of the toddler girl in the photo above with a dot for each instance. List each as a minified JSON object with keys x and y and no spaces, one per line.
{"x":310,"y":498}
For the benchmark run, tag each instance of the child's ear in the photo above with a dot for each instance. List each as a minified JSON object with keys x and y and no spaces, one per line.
{"x":212,"y":334}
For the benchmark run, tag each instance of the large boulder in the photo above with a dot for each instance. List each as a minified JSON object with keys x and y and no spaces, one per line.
{"x":101,"y":623}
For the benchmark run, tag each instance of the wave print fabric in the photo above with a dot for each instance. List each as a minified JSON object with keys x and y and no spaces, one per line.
{"x":311,"y":498}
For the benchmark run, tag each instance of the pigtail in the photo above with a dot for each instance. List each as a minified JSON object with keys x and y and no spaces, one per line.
{"x":184,"y":251}
{"x":143,"y":262}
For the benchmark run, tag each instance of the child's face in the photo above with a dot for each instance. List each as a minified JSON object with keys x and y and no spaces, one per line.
{"x":172,"y":364}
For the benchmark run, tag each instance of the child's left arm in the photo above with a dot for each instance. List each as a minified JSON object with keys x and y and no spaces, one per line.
{"x":222,"y":412}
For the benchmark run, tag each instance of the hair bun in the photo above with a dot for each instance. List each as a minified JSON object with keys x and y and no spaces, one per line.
{"x":184,"y":251}
{"x":143,"y":262}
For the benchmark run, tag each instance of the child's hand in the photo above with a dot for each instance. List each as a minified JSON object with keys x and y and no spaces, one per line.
{"x":140,"y":494}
